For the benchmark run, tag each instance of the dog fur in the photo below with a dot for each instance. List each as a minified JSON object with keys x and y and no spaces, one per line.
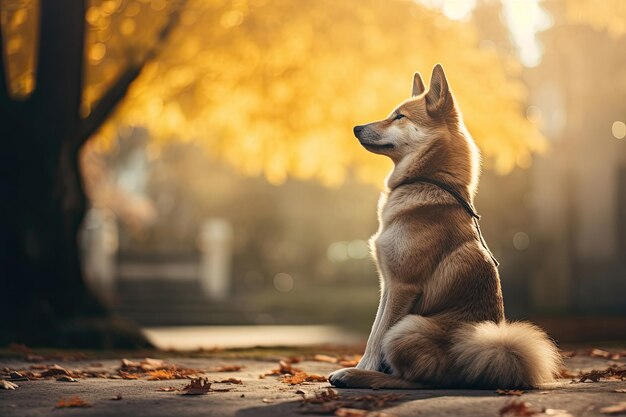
{"x":440,"y":321}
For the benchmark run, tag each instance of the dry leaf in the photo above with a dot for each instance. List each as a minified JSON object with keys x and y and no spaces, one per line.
{"x":66,"y":378}
{"x":161,"y":374}
{"x":516,"y":408}
{"x":54,"y":370}
{"x":623,"y":391}
{"x":266,"y":400}
{"x":618,"y":408}
{"x":7,"y":385}
{"x":566,"y":373}
{"x":168,"y":389}
{"x":599,"y":353}
{"x":16,"y":376}
{"x":553,"y":413}
{"x":118,"y":397}
{"x":325,"y":358}
{"x":284,"y":368}
{"x":73,"y":402}
{"x":509,"y":392}
{"x":301,"y":377}
{"x":126,"y":375}
{"x":230,"y":381}
{"x":227,"y":368}
{"x":350,"y":361}
{"x":197,"y":386}
{"x":614,"y":372}
{"x":350,"y":412}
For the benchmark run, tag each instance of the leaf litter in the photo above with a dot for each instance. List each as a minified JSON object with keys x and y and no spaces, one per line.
{"x":330,"y":401}
{"x":518,"y":408}
{"x":72,"y":402}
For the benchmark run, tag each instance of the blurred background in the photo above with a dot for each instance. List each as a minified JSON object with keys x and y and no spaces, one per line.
{"x":226,"y":187}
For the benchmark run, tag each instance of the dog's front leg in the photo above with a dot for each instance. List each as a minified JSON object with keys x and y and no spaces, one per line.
{"x":396,"y":302}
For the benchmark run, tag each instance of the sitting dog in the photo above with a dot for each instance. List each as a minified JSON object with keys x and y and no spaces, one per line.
{"x":440,"y":321}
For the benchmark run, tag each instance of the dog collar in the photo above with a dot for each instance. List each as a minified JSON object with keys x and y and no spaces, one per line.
{"x":467,"y":206}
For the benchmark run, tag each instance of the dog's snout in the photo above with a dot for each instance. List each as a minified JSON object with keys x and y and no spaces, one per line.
{"x":358,"y":129}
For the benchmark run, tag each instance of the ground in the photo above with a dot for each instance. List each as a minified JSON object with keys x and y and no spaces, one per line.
{"x":268,"y":395}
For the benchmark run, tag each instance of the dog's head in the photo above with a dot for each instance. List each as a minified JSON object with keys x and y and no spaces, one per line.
{"x":415,"y":123}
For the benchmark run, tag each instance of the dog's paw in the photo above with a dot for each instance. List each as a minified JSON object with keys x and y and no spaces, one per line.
{"x":341,"y":378}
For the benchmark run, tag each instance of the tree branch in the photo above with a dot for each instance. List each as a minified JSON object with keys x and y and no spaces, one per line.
{"x":105,"y":106}
{"x":4,"y":80}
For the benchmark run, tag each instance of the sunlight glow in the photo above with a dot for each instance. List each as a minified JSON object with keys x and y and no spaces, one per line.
{"x":525,"y":18}
{"x":619,"y":129}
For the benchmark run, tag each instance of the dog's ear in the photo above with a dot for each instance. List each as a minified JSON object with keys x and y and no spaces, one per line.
{"x":418,"y":85}
{"x":439,"y":99}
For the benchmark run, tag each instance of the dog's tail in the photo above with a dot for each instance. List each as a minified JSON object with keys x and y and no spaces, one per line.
{"x":504,"y":355}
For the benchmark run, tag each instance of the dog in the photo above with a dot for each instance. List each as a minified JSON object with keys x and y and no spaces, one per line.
{"x":440,"y":322}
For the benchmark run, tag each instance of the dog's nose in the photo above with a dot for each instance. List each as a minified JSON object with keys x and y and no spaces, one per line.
{"x":358,"y":130}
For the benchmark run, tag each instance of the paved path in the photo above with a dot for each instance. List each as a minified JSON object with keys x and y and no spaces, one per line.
{"x":269,"y":397}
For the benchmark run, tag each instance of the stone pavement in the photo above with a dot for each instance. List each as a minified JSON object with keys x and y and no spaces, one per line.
{"x":269,"y":396}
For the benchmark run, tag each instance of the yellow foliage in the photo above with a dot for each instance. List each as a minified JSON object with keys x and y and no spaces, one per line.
{"x":274,"y":87}
{"x":607,"y":15}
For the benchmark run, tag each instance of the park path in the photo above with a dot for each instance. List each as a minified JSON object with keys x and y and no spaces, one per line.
{"x":269,"y":395}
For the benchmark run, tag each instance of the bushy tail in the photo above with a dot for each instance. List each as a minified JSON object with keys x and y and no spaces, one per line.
{"x":504,"y":355}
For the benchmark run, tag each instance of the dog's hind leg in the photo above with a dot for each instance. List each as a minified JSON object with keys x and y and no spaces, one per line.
{"x":416,"y":350}
{"x":359,"y":378}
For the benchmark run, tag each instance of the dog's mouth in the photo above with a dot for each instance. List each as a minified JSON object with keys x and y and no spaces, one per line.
{"x":375,"y":146}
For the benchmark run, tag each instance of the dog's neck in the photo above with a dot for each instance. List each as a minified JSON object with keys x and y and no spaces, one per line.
{"x":458,"y":168}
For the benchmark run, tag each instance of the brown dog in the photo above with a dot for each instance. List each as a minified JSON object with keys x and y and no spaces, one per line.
{"x":440,"y":321}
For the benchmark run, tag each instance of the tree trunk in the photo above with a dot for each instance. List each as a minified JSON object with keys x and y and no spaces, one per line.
{"x":44,"y":297}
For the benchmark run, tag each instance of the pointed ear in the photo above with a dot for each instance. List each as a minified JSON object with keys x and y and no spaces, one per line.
{"x":439,"y":98}
{"x":418,"y":85}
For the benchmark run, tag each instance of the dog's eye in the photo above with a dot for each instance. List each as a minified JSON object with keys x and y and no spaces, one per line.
{"x":399,"y":116}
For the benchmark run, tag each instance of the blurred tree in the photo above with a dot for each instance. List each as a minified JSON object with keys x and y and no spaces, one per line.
{"x":45,"y":119}
{"x":283,"y":83}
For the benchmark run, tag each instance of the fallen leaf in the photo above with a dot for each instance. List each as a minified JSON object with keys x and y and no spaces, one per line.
{"x":197,"y":386}
{"x":118,"y":397}
{"x":618,"y":408}
{"x":301,"y":377}
{"x":126,"y":375}
{"x":325,"y":358}
{"x":16,"y":376}
{"x":623,"y":391}
{"x":54,"y":370}
{"x":227,"y":368}
{"x":147,"y":364}
{"x":509,"y":392}
{"x":614,"y":372}
{"x":7,"y":384}
{"x":284,"y":368}
{"x":66,"y":378}
{"x":168,"y":389}
{"x":553,"y":413}
{"x":566,"y":373}
{"x":161,"y":374}
{"x":517,"y":408}
{"x":266,"y":400}
{"x":73,"y":402}
{"x":350,"y":361}
{"x":329,"y":401}
{"x":599,"y":353}
{"x":230,"y":381}
{"x":350,"y":412}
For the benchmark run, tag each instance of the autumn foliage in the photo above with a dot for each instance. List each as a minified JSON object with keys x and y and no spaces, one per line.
{"x":275,"y":87}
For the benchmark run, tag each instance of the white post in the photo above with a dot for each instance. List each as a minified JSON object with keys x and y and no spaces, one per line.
{"x":216,"y":238}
